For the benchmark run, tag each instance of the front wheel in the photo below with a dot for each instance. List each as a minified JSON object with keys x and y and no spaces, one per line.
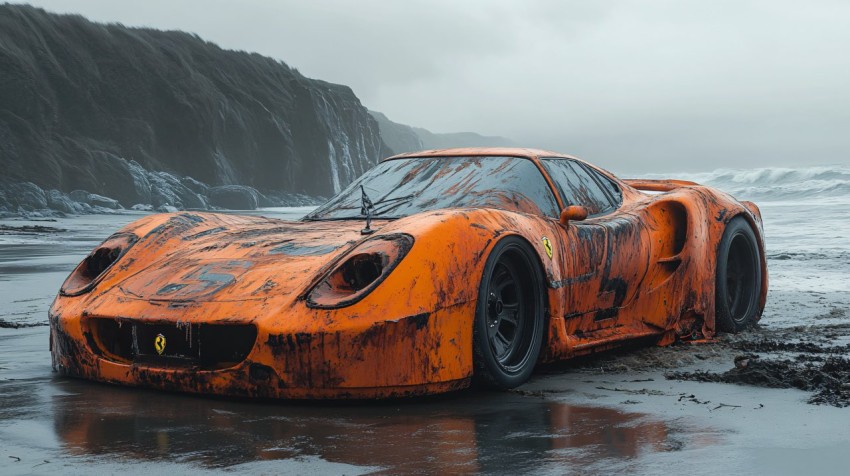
{"x":739,"y":277}
{"x":508,"y":327}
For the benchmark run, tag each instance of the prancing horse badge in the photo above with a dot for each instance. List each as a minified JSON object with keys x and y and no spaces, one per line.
{"x":547,"y":245}
{"x":159,"y":344}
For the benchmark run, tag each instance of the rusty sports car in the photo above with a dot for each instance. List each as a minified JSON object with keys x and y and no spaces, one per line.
{"x":430,"y":272}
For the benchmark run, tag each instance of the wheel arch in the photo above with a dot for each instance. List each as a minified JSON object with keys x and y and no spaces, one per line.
{"x":521,"y":252}
{"x":708,"y":213}
{"x":547,"y":296}
{"x":728,"y":209}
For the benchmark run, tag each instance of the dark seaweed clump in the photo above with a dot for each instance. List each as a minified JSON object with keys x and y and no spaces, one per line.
{"x":767,"y":345}
{"x":19,"y":325}
{"x":828,"y":377}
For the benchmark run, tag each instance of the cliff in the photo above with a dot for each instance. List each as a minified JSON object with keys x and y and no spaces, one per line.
{"x":152,"y":117}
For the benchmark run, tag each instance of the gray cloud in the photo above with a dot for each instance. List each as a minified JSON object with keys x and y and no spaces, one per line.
{"x":635,"y":86}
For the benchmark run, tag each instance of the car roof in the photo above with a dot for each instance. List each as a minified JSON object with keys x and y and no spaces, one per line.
{"x":482,"y":152}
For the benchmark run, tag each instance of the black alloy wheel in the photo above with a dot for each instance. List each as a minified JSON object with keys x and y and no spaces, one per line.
{"x":739,"y":277}
{"x":509,"y":317}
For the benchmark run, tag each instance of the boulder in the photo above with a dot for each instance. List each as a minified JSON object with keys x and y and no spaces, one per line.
{"x":26,"y":196}
{"x":57,"y":200}
{"x":195,"y":186}
{"x":80,"y":196}
{"x":166,"y":189}
{"x":117,"y":178}
{"x":96,"y":200}
{"x":234,"y":197}
{"x":141,"y":185}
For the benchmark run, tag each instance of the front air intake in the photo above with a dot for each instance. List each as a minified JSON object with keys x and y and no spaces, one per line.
{"x":169,"y":344}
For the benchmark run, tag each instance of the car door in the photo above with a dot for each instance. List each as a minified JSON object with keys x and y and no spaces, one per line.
{"x":582,"y":256}
{"x":608,"y":260}
{"x":627,"y":253}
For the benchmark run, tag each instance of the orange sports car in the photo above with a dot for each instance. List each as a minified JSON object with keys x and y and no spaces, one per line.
{"x":431,"y":271}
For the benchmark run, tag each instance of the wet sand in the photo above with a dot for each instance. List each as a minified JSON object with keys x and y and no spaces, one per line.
{"x":642,"y":410}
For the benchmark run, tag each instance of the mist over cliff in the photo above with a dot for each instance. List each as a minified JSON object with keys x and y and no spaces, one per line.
{"x":91,"y":106}
{"x":403,"y":138}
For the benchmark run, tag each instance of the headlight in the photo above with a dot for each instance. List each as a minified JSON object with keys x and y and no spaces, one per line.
{"x":90,"y":270}
{"x":359,"y":271}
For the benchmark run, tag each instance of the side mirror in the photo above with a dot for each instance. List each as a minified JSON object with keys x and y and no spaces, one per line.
{"x":573,"y":213}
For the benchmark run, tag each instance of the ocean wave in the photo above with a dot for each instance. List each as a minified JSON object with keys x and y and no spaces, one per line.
{"x":774,"y":183}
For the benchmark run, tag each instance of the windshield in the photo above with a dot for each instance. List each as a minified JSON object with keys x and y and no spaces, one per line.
{"x":402,"y":187}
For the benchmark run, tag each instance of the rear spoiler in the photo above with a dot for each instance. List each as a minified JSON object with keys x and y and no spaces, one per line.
{"x":658,"y":185}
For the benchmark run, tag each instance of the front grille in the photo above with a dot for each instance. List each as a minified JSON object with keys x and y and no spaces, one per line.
{"x":206,"y":346}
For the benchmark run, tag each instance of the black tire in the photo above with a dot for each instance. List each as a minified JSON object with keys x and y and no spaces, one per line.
{"x":739,"y":277}
{"x":509,"y":317}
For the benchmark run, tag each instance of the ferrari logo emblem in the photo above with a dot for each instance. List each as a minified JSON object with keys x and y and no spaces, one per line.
{"x":547,"y":245}
{"x":159,"y":344}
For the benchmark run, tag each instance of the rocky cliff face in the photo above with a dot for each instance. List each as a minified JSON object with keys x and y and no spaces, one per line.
{"x":138,"y":114}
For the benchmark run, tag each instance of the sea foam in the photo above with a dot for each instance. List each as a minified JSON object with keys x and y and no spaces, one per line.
{"x":775,"y":183}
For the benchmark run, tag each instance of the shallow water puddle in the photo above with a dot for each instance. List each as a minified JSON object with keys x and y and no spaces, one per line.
{"x":463,"y":432}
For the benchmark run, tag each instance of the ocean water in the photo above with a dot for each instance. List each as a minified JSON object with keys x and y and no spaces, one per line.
{"x":772,"y":184}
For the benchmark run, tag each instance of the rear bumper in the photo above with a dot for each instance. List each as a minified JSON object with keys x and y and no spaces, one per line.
{"x":423,"y":354}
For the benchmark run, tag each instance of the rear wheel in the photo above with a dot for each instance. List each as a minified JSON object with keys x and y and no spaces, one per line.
{"x":739,"y":277}
{"x":508,"y":328}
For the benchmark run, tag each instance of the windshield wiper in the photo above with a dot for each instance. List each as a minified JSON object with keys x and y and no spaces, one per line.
{"x":369,"y":209}
{"x":397,"y":202}
{"x":366,"y":208}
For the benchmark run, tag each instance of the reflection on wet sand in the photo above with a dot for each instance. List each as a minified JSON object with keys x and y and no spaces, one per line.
{"x":461,"y":433}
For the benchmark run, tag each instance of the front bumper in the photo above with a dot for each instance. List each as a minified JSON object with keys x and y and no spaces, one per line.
{"x":421,"y":354}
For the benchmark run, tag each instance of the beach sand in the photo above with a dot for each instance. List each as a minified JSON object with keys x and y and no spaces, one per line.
{"x":766,"y":401}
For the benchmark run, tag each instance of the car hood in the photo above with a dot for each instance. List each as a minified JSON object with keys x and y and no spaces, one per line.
{"x":216,"y":257}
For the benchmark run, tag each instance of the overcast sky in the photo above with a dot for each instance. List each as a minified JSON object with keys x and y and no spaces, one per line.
{"x":634,"y":86}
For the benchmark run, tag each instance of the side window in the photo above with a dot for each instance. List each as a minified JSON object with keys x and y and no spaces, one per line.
{"x":577,"y":187}
{"x":609,"y":185}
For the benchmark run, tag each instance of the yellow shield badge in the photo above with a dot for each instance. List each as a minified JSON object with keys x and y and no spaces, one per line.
{"x":547,"y":245}
{"x":159,"y":344}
